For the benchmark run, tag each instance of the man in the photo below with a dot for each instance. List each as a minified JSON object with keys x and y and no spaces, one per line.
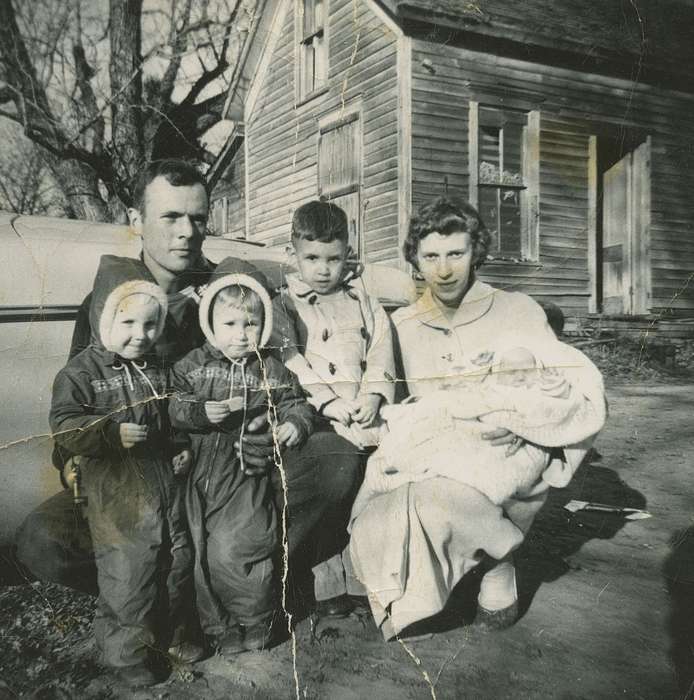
{"x":170,"y":211}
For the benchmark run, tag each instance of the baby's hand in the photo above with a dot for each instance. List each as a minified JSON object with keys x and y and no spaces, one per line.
{"x":367,"y":409}
{"x":339,"y":410}
{"x":288,"y":434}
{"x":131,"y":434}
{"x":181,"y":462}
{"x":217,"y":411}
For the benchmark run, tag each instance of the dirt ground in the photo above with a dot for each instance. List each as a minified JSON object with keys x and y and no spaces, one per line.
{"x":607,"y":604}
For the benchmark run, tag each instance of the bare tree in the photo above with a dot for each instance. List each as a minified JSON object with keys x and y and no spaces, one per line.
{"x":103,"y":86}
{"x":26,"y":183}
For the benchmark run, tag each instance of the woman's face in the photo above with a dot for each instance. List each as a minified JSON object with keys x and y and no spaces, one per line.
{"x":445,"y":262}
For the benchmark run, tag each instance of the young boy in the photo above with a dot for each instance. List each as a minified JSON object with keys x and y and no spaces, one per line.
{"x":219,"y":388}
{"x":108,"y":407}
{"x":337,"y":340}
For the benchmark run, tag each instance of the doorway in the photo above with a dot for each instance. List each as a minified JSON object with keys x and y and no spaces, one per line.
{"x":622,"y":225}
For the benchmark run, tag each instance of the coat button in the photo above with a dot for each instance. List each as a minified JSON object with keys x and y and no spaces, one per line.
{"x":362,"y":364}
{"x":326,"y":335}
{"x":312,"y":299}
{"x":448,"y":331}
{"x":331,"y":368}
{"x":364,"y":333}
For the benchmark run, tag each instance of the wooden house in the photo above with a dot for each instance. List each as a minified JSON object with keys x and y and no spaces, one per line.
{"x":569,"y":124}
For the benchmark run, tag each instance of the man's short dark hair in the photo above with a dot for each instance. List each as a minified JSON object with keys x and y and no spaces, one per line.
{"x":320,"y":221}
{"x":447,"y":215}
{"x":178,"y":173}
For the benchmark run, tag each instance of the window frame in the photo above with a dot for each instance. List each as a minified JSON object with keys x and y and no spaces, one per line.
{"x":326,"y":124}
{"x":530,"y":169}
{"x":305,"y":41}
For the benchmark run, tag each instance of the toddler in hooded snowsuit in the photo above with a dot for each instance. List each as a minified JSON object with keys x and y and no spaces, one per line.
{"x":219,"y":388}
{"x":108,"y":406}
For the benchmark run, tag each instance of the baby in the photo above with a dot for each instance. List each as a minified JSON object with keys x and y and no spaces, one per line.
{"x":441,"y":434}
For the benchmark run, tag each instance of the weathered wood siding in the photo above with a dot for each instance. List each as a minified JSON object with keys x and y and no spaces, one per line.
{"x":282,"y":137}
{"x":232,"y":186}
{"x":572,"y":105}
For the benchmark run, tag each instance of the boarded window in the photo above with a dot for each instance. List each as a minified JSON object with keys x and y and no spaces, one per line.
{"x":501,"y":182}
{"x":339,"y":170}
{"x":313,"y":47}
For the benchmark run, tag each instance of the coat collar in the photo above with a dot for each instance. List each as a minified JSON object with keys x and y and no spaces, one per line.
{"x":475,"y":304}
{"x":297,"y":287}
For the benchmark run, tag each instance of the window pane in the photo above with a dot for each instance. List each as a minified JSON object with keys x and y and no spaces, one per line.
{"x":309,"y":17}
{"x":489,"y":154}
{"x":489,"y":211}
{"x":510,"y":222}
{"x":512,"y":154}
{"x":339,"y":158}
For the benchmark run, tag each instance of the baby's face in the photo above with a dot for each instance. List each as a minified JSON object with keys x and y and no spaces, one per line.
{"x":237,"y":330}
{"x":517,"y":367}
{"x":321,"y":265}
{"x":135,"y":326}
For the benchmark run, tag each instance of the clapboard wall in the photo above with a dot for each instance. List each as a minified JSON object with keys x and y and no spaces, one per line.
{"x":446,"y":78}
{"x":282,"y":135}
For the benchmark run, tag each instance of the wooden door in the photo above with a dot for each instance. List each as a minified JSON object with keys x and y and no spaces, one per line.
{"x":615,"y":236}
{"x":625,"y":217}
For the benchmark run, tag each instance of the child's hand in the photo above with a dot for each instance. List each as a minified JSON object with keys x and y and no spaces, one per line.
{"x":367,"y":409}
{"x":288,"y":434}
{"x":339,"y":410}
{"x":181,"y":462}
{"x":131,"y":434}
{"x":217,"y":411}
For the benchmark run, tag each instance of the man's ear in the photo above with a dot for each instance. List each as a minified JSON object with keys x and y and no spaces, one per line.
{"x":136,"y":220}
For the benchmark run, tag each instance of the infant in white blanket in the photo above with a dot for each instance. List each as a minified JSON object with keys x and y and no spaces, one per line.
{"x":440,"y":434}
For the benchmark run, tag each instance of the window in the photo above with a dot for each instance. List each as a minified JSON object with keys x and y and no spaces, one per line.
{"x":339,"y":169}
{"x":313,"y":47}
{"x":503,"y":178}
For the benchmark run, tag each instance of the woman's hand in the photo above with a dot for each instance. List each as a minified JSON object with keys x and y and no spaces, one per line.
{"x":258,"y":447}
{"x":288,"y":434}
{"x":500,"y":436}
{"x":131,"y":434}
{"x":367,"y":409}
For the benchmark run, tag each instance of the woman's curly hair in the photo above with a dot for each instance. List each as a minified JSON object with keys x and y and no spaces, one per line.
{"x":446,"y":215}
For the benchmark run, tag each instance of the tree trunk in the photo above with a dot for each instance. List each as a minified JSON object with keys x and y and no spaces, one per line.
{"x":80,"y":186}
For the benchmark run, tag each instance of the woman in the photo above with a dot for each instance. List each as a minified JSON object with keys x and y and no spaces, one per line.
{"x":432,"y":531}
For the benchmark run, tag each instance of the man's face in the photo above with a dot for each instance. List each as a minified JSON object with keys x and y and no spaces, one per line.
{"x":320,"y":264}
{"x":134,"y":326}
{"x":172,"y":226}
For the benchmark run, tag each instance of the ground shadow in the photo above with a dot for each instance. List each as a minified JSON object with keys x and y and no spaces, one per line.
{"x":678,"y":572}
{"x":555,"y":535}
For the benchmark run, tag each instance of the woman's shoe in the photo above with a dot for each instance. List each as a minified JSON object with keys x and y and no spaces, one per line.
{"x":339,"y":606}
{"x":496,"y":619}
{"x":186,"y":653}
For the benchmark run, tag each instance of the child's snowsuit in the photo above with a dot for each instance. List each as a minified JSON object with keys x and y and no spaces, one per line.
{"x":231,"y":515}
{"x":135,"y":508}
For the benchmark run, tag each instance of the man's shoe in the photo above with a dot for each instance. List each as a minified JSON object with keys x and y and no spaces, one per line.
{"x":232,"y":642}
{"x":137,"y":676}
{"x":339,"y":606}
{"x":496,"y":619}
{"x":186,"y":653}
{"x":257,"y":637}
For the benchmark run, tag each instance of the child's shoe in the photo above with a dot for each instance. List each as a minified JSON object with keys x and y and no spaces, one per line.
{"x":137,"y":676}
{"x":360,"y":604}
{"x":232,"y":642}
{"x":258,"y":636}
{"x":339,"y":606}
{"x":186,"y":653}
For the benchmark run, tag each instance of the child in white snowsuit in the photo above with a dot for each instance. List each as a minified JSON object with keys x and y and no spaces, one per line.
{"x":108,"y":406}
{"x":219,"y":388}
{"x":337,"y":340}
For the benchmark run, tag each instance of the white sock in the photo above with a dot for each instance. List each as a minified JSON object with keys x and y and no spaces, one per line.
{"x":498,"y":588}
